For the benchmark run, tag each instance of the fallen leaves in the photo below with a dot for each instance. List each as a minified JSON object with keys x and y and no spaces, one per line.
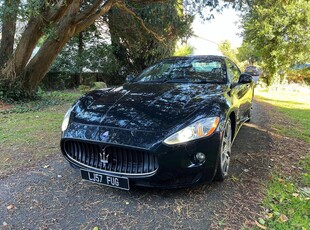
{"x":260,"y":225}
{"x":283,"y":218}
{"x":10,"y":207}
{"x":261,"y":222}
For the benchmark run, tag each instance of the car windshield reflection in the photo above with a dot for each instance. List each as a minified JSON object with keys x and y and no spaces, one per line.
{"x":190,"y":70}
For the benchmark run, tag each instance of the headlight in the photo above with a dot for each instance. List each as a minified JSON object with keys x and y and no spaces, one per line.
{"x":202,"y":128}
{"x":65,"y":122}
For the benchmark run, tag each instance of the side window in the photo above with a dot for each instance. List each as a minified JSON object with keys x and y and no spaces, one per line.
{"x":233,"y":71}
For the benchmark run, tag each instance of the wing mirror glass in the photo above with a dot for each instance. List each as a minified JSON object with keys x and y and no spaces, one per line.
{"x":130,"y":78}
{"x":245,"y":78}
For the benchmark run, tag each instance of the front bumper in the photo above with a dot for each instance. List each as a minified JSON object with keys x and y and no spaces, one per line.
{"x":175,"y":166}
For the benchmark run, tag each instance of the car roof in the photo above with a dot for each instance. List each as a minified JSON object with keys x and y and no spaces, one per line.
{"x":195,"y":57}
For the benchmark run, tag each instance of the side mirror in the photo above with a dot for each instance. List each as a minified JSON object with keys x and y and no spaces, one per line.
{"x":245,"y":78}
{"x":130,"y":78}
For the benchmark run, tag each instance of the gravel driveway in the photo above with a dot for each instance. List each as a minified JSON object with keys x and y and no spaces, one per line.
{"x":51,"y":195}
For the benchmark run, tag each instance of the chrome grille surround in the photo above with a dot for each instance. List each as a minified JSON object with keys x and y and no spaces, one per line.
{"x":112,"y":159}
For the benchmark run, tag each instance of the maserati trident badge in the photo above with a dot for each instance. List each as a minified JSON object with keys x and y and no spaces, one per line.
{"x":104,"y":157}
{"x":104,"y":136}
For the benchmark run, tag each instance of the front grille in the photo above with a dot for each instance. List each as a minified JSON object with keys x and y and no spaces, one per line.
{"x":118,"y":159}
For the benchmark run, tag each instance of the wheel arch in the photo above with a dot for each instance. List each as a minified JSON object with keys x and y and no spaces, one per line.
{"x":232,"y":117}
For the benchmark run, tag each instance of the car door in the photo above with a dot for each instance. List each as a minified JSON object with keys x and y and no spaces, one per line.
{"x":238,"y":91}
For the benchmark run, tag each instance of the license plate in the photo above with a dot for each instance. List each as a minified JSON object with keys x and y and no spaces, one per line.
{"x":112,"y":181}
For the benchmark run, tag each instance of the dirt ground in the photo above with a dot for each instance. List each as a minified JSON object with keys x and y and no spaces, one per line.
{"x":4,"y":106}
{"x":51,"y":195}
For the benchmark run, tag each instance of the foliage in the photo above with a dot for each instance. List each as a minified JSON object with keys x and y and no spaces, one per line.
{"x":86,"y":52}
{"x":279,"y":31}
{"x":228,"y":51}
{"x":299,"y":75}
{"x":49,"y":25}
{"x":134,"y":42}
{"x":13,"y":93}
{"x":248,"y":53}
{"x":183,"y":50}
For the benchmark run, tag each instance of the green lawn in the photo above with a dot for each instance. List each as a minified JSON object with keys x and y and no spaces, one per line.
{"x":288,"y":198}
{"x":30,"y":131}
{"x":295,"y":107}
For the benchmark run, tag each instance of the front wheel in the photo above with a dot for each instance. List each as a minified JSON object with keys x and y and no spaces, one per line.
{"x":225,"y":153}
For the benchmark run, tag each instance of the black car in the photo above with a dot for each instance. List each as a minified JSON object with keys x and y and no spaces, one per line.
{"x":172,"y":126}
{"x":254,"y":72}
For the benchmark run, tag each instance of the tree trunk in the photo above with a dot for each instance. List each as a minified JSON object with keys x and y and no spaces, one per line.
{"x":23,"y":52}
{"x":37,"y":68}
{"x":23,"y":74}
{"x":80,"y":56}
{"x":39,"y":65}
{"x":8,"y":30}
{"x":12,"y":71}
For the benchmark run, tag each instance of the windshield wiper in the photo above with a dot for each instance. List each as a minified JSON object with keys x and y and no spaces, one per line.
{"x":153,"y":81}
{"x":178,"y":80}
{"x":207,"y":82}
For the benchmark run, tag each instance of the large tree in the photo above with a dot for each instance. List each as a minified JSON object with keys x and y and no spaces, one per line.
{"x":57,"y":21}
{"x":280,"y":33}
{"x":137,"y":45}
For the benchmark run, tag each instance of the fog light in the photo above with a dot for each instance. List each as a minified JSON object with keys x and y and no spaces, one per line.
{"x":200,"y":157}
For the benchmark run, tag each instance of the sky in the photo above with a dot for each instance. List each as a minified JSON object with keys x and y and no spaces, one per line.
{"x":224,"y":26}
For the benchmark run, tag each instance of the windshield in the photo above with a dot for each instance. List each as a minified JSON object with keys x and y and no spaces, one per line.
{"x":185,"y":70}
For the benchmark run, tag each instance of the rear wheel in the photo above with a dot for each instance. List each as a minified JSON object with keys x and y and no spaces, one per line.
{"x":249,"y":115}
{"x":225,"y":153}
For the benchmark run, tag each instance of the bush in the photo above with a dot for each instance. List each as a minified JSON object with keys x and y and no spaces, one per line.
{"x":99,"y":85}
{"x":299,"y":75}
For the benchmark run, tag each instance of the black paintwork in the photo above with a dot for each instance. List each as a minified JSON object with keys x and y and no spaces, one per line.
{"x":141,"y":115}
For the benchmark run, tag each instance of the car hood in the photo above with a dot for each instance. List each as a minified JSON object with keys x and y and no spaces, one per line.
{"x":149,"y":107}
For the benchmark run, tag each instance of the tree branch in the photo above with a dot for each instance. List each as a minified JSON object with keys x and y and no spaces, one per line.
{"x":132,"y":13}
{"x":88,"y":11}
{"x":84,"y":23}
{"x":57,"y":12}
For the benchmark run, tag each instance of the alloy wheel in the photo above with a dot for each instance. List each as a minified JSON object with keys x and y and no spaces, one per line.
{"x":226,"y":149}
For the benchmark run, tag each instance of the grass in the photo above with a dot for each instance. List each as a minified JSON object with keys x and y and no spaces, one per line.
{"x":287,"y":200}
{"x":295,"y":107}
{"x":287,"y":204}
{"x":30,"y":131}
{"x":44,"y":100}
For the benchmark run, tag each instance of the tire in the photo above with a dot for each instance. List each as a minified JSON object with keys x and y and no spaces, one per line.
{"x":249,"y":115}
{"x":225,"y":153}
